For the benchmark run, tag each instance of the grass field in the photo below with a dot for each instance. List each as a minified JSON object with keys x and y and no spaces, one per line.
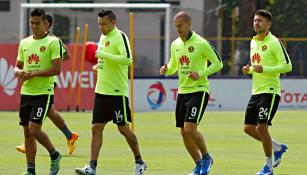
{"x":234,"y":152}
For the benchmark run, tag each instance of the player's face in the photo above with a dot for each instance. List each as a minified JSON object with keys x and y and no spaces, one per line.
{"x":106,"y":25}
{"x":261,"y":24}
{"x":182,"y":27}
{"x":37,"y":25}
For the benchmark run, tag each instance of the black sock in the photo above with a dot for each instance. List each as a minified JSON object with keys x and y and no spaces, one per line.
{"x":54,"y":154}
{"x":31,"y":168}
{"x":93,"y":164}
{"x":206,"y":156}
{"x":138,"y":160}
{"x":66,"y":132}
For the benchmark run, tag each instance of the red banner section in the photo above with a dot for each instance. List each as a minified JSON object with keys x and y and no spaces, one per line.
{"x":10,"y":85}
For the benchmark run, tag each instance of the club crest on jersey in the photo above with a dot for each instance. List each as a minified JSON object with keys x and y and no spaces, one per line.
{"x":42,"y":49}
{"x":184,"y":60}
{"x":256,"y":58}
{"x":191,"y":49}
{"x":107,"y":43}
{"x":264,"y":48}
{"x":33,"y":57}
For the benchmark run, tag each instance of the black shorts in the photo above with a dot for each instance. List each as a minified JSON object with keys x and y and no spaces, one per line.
{"x":261,"y":109}
{"x":34,"y":108}
{"x":190,"y":107}
{"x":109,"y":107}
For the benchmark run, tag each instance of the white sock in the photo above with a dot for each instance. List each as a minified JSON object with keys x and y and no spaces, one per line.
{"x":268,"y":162}
{"x":275,"y":145}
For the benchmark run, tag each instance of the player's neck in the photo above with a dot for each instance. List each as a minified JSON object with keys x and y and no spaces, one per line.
{"x":188,"y":36}
{"x":40,"y":36}
{"x":261,"y":36}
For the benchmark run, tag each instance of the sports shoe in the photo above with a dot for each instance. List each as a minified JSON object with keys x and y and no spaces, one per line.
{"x":140,"y":168}
{"x":21,"y":148}
{"x":196,"y":170}
{"x":55,"y":165}
{"x":278,"y":154}
{"x":87,"y":170}
{"x":71,"y":143}
{"x":265,"y":171}
{"x":207,"y":163}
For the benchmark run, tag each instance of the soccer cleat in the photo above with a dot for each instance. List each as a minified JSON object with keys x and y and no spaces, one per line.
{"x":140,"y":168}
{"x":265,"y":171}
{"x":196,"y":170}
{"x":71,"y":143}
{"x":55,"y":165}
{"x":21,"y":148}
{"x":207,"y":163}
{"x":278,"y":154}
{"x":87,"y":170}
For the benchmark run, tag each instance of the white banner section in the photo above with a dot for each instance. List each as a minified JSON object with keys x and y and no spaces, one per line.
{"x":225,"y":94}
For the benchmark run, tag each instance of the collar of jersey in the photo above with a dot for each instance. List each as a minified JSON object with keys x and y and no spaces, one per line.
{"x":265,"y":39}
{"x":190,"y":39}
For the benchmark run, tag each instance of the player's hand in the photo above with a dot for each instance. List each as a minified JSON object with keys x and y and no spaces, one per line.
{"x":245,"y":69}
{"x":98,"y":54}
{"x":193,"y":75}
{"x":163,"y":69}
{"x":258,"y":68}
{"x":22,"y":74}
{"x":94,"y":68}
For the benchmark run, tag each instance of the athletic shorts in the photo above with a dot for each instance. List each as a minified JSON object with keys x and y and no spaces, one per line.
{"x":190,"y":107}
{"x":34,"y":108}
{"x":261,"y":108}
{"x":109,"y":107}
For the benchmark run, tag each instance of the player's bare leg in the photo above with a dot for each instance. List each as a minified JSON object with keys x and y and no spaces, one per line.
{"x":133,"y":143}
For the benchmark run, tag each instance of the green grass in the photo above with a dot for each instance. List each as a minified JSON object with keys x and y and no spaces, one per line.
{"x":234,"y":152}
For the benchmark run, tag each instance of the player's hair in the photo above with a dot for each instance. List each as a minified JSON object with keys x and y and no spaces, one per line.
{"x":38,"y":12}
{"x":110,"y":14}
{"x":264,"y":13}
{"x":49,"y":19}
{"x":184,"y":15}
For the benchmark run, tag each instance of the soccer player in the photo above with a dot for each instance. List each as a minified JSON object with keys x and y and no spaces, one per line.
{"x":189,"y":56}
{"x":53,"y":114}
{"x":268,"y":60}
{"x":111,"y":98}
{"x":39,"y":59}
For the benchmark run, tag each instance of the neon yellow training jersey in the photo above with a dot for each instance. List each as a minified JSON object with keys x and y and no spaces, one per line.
{"x":193,"y":55}
{"x":38,"y":55}
{"x":271,"y":54}
{"x":114,"y":57}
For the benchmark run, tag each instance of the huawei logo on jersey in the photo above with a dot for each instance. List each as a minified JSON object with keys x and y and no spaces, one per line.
{"x":184,"y":60}
{"x":34,"y":58}
{"x":256,"y":58}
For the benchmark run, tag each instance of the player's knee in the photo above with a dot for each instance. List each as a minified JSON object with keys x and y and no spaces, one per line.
{"x":34,"y":131}
{"x":262,"y":130}
{"x":248,"y":129}
{"x":96,"y":131}
{"x":189,"y":130}
{"x":123,"y":130}
{"x":27,"y":133}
